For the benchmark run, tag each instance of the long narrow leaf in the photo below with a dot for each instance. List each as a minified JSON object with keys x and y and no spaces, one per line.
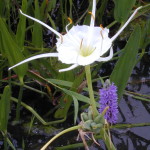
{"x":37,"y":36}
{"x":61,"y":113}
{"x":11,"y":50}
{"x":20,"y":35}
{"x":127,"y":61}
{"x":61,"y":82}
{"x":123,"y":9}
{"x":4,"y":108}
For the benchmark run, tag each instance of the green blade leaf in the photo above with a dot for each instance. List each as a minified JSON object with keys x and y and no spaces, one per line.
{"x":101,"y":10}
{"x":4,"y":108}
{"x":123,"y":9}
{"x":37,"y":35}
{"x":11,"y":50}
{"x":61,"y":113}
{"x":126,"y":62}
{"x":61,"y":82}
{"x":145,"y":40}
{"x":80,"y":97}
{"x":5,"y":8}
{"x":20,"y":35}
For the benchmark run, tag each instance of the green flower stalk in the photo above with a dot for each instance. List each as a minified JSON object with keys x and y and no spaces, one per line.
{"x":90,"y":89}
{"x":59,"y":134}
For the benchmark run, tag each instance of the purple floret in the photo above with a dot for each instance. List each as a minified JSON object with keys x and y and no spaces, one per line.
{"x":108,"y":97}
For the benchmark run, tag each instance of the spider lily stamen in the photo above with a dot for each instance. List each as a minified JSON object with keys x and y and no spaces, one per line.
{"x":102,"y":26}
{"x":70,"y":20}
{"x":91,"y":15}
{"x":101,"y":34}
{"x":61,"y":37}
{"x":81,"y":44}
{"x":75,"y":40}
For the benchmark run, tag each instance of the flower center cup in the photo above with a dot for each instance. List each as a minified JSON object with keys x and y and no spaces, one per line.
{"x":86,"y":50}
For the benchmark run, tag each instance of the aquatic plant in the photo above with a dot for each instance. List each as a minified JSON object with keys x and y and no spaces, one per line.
{"x":108,"y":98}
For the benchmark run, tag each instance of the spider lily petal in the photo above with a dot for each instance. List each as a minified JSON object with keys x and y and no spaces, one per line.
{"x":69,"y":68}
{"x":108,"y":57}
{"x":35,"y":57}
{"x":42,"y":23}
{"x":128,"y":21}
{"x":93,"y":13}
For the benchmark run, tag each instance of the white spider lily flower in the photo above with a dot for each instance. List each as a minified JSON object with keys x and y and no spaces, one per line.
{"x":82,"y":44}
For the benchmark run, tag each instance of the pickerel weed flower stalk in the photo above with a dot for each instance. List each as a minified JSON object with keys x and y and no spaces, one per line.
{"x":108,"y":98}
{"x":82,"y":44}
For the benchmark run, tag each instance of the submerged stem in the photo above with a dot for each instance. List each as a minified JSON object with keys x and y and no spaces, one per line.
{"x":90,"y":89}
{"x":59,"y":134}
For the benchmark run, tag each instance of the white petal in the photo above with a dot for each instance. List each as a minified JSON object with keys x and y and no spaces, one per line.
{"x":93,"y":13}
{"x":79,"y":32}
{"x":106,"y":58}
{"x":83,"y":61}
{"x":42,"y":23}
{"x":71,"y":36}
{"x":116,"y":35}
{"x":35,"y":57}
{"x":86,"y":34}
{"x":69,"y":68}
{"x":67,"y":55}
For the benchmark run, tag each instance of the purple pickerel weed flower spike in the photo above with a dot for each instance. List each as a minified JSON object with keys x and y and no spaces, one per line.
{"x":108,"y":97}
